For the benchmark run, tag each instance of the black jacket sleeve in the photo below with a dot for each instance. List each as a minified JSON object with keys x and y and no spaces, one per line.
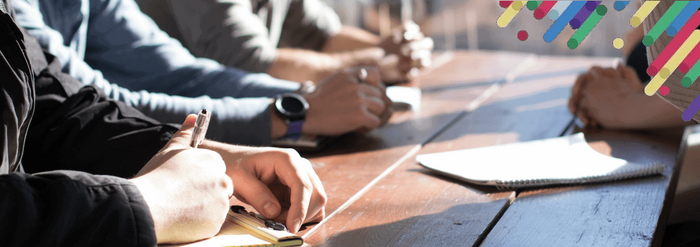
{"x":63,"y":208}
{"x":68,"y":208}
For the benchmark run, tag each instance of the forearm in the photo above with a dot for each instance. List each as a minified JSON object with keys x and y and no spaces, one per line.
{"x":351,"y":38}
{"x":652,"y":112}
{"x":302,"y":65}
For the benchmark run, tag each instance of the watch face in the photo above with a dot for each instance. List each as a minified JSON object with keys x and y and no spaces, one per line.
{"x":293,"y":106}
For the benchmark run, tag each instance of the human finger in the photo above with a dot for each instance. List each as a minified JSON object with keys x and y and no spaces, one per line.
{"x":373,"y":104}
{"x":257,"y":194}
{"x":228,"y":183}
{"x":576,"y":91}
{"x":300,"y":196}
{"x":425,"y":44}
{"x":317,"y":207}
{"x":369,"y":75}
{"x":181,"y":138}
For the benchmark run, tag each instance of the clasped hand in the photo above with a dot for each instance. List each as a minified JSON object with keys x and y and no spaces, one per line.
{"x":407,"y":51}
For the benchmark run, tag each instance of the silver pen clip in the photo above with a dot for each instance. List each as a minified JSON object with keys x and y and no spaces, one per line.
{"x":200,"y":128}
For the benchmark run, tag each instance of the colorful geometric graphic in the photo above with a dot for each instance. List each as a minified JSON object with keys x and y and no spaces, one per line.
{"x":510,"y":13}
{"x":620,"y":5}
{"x":543,"y":9}
{"x":643,"y":12}
{"x":683,"y":52}
{"x":522,"y":35}
{"x":680,"y":22}
{"x":581,"y":16}
{"x":587,"y":26}
{"x":558,"y":9}
{"x":618,"y":43}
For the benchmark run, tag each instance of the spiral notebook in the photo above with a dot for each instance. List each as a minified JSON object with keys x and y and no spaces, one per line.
{"x":248,"y":229}
{"x":562,"y":160}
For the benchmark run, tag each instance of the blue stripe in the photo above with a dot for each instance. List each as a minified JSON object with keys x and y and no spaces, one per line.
{"x":563,"y":20}
{"x":682,"y":18}
{"x":620,"y":5}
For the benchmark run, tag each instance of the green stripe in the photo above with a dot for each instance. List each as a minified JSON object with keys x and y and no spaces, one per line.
{"x":664,"y":22}
{"x":532,"y":5}
{"x":692,"y":75}
{"x":587,"y":26}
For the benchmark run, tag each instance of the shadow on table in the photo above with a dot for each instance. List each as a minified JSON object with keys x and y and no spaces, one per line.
{"x":461,"y":225}
{"x":525,"y":115}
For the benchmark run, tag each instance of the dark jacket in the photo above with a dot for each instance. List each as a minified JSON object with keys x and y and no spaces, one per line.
{"x":62,"y":135}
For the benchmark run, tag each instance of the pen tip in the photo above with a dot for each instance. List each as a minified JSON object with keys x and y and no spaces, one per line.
{"x":204,"y":111}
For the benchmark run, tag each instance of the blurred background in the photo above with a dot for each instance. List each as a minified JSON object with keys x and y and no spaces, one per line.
{"x":471,"y":25}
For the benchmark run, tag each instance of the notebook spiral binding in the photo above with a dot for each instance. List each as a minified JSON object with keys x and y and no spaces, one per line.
{"x":618,"y":175}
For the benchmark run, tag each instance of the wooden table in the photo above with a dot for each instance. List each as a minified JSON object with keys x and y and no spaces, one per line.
{"x":379,"y":195}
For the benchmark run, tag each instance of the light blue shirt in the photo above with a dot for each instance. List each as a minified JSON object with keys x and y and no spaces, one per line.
{"x":111,"y":44}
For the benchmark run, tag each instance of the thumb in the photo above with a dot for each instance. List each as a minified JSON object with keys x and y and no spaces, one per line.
{"x":182,"y":137}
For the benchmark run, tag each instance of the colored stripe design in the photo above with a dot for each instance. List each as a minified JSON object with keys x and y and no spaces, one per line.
{"x":505,"y":4}
{"x":532,"y":5}
{"x":664,"y":22}
{"x":690,"y":60}
{"x":510,"y":13}
{"x":682,"y":18}
{"x":692,"y":76}
{"x":543,"y":9}
{"x":669,"y":67}
{"x":620,"y":5}
{"x":680,"y":55}
{"x":587,"y":26}
{"x":558,"y":9}
{"x":692,"y":109}
{"x":582,"y":15}
{"x":643,"y":12}
{"x":675,"y":43}
{"x":561,"y":22}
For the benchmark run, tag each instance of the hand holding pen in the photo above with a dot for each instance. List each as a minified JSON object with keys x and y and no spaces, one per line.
{"x":200,"y":128}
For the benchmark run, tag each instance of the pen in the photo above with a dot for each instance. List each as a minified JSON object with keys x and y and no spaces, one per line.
{"x":200,"y":128}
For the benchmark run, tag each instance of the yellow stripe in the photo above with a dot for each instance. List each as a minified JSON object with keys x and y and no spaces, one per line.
{"x":510,"y":13}
{"x":680,"y":54}
{"x":643,"y":12}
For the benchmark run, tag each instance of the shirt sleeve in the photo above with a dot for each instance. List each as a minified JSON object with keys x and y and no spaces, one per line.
{"x":158,"y":76}
{"x":309,"y":24}
{"x":69,"y":208}
{"x":227,"y":31}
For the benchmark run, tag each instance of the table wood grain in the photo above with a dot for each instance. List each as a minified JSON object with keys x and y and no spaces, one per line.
{"x":413,"y":207}
{"x":624,"y":213}
{"x":356,"y":160}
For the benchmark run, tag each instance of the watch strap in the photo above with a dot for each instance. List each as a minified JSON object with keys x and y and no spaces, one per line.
{"x":294,"y":128}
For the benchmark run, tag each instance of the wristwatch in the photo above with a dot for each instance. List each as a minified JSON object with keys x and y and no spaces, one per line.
{"x":292,"y":108}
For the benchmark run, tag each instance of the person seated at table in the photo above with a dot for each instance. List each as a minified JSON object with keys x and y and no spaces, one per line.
{"x":292,"y":40}
{"x":59,"y":135}
{"x":112,"y":45}
{"x":614,"y":98}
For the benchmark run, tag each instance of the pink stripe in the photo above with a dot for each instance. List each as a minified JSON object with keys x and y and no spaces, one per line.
{"x":690,"y":60}
{"x":675,"y":43}
{"x":505,"y":4}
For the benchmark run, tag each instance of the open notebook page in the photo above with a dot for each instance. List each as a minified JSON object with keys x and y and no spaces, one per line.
{"x":561,"y":160}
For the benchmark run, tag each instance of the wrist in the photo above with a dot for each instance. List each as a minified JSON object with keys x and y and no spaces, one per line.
{"x":277,"y":124}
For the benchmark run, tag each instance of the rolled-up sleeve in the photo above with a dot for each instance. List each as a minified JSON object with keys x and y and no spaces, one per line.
{"x":152,"y":72}
{"x":229,"y":31}
{"x":224,"y":30}
{"x":309,"y":24}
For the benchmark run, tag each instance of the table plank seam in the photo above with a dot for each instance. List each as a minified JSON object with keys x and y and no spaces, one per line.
{"x":473,"y":105}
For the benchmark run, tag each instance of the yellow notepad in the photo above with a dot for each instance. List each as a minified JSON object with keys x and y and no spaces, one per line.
{"x":241,"y":229}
